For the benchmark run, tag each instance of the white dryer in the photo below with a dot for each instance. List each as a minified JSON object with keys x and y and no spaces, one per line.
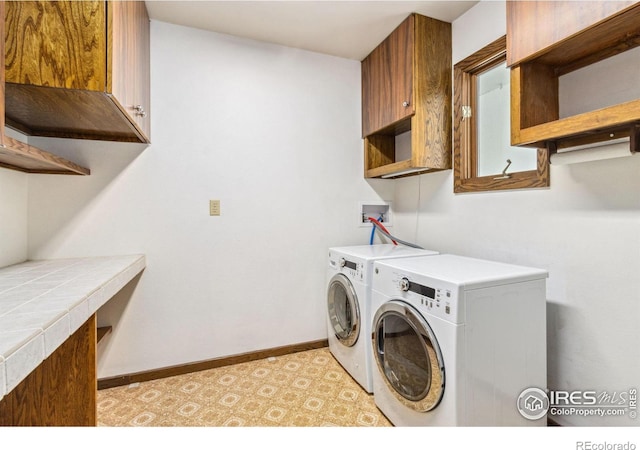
{"x":456,"y":340}
{"x":348,"y":304}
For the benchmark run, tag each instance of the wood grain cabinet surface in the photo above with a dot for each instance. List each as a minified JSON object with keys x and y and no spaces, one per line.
{"x":387,"y":82}
{"x":17,"y":155}
{"x":546,"y":40}
{"x":406,"y":86}
{"x":78,"y":69}
{"x":61,"y":391}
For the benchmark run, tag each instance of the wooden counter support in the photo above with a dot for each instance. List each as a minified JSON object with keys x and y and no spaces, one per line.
{"x":62,"y":390}
{"x":103,"y":331}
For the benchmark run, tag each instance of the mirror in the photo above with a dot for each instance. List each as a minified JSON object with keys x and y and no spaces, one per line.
{"x":483,"y":156}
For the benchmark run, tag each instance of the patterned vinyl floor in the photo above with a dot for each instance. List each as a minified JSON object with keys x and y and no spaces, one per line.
{"x":305,"y":389}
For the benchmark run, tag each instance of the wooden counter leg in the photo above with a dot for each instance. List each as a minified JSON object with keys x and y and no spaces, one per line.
{"x":62,"y":390}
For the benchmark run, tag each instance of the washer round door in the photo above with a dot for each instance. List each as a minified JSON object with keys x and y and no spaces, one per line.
{"x":408,"y":356}
{"x":344,"y":313}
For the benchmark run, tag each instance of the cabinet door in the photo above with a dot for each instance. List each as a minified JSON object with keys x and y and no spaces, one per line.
{"x":2,"y":69}
{"x":60,"y":44}
{"x":387,"y":80}
{"x":143,"y":82}
{"x":129,"y":60}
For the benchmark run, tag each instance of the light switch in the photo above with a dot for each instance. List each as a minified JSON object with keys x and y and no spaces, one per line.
{"x":214,"y":207}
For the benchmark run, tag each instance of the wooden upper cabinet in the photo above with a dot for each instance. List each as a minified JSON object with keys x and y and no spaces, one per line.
{"x":2,"y":71}
{"x":129,"y":75}
{"x":406,"y":87}
{"x":387,"y":84}
{"x":56,"y":44}
{"x":537,"y":25}
{"x":547,"y":40}
{"x":78,"y":69}
{"x":17,"y":155}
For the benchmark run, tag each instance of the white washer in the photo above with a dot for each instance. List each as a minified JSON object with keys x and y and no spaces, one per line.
{"x":456,"y":340}
{"x":348,"y":304}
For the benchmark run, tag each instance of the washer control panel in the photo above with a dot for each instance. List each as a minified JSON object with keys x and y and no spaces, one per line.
{"x":354,"y":270}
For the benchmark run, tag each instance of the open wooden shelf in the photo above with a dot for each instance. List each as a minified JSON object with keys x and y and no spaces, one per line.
{"x":535,"y":120}
{"x":20,"y":156}
{"x":397,"y":169}
{"x":613,"y":122}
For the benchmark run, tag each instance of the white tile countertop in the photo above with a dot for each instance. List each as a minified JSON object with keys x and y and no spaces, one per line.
{"x":42,"y":303}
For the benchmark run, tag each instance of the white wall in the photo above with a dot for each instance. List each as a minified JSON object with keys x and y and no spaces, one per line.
{"x":13,"y":217}
{"x":583,"y":230}
{"x":272,"y":132}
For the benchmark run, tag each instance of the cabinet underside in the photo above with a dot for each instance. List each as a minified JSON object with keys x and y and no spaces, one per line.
{"x":67,"y":113}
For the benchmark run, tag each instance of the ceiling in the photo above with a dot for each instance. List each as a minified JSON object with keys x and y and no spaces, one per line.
{"x":348,"y":29}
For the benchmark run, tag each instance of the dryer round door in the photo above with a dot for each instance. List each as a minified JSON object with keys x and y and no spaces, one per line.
{"x":344,"y":312}
{"x":408,"y":356}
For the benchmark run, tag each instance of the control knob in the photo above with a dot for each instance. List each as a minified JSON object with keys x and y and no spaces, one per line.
{"x":343,"y":262}
{"x":404,"y":284}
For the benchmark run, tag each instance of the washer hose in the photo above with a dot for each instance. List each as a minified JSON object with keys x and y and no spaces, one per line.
{"x":373,"y":231}
{"x":378,"y":225}
{"x":381,"y":229}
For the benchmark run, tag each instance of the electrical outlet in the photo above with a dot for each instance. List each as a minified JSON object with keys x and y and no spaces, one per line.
{"x":214,"y":207}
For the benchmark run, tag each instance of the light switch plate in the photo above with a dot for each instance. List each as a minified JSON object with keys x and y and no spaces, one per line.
{"x":214,"y":207}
